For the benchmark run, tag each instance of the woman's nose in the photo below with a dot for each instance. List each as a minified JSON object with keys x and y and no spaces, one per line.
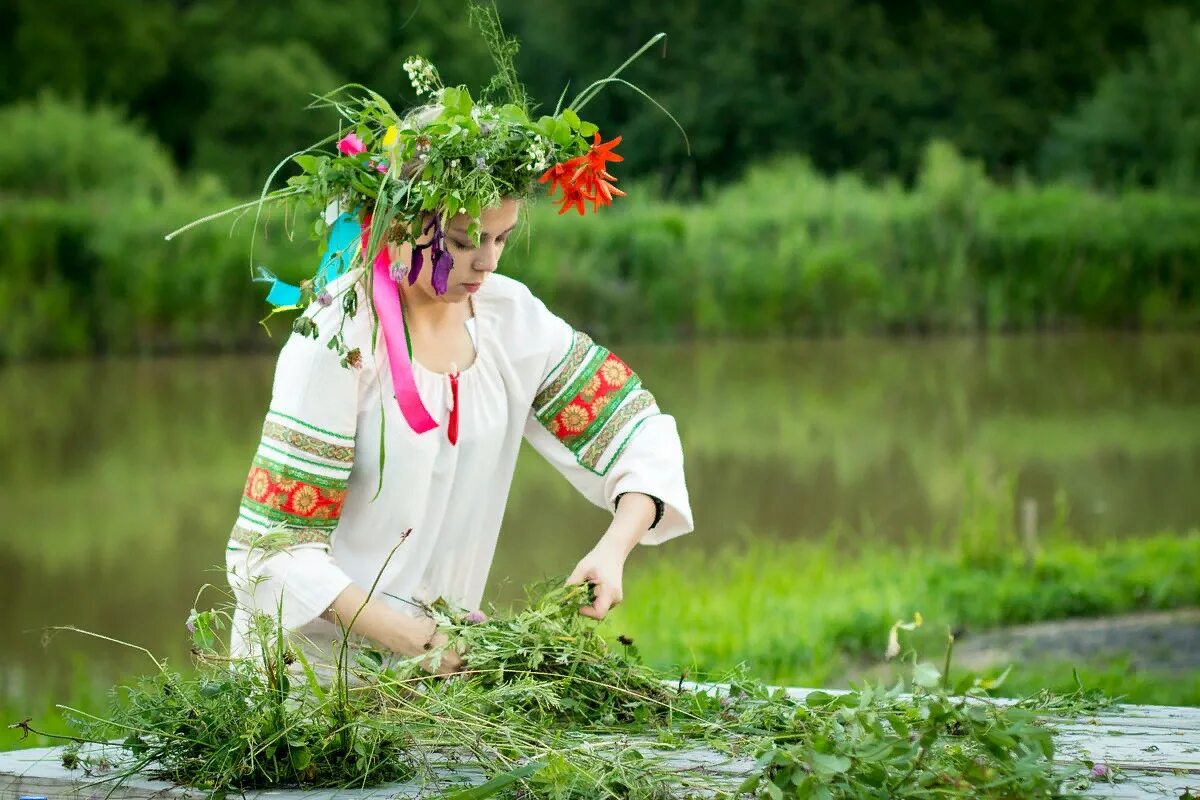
{"x":487,"y":257}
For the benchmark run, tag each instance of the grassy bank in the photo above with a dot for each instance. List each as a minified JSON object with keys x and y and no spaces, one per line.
{"x":783,"y":250}
{"x":811,"y":613}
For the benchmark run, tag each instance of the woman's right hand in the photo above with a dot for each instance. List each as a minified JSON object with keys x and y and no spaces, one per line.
{"x":400,"y":633}
{"x":451,"y":661}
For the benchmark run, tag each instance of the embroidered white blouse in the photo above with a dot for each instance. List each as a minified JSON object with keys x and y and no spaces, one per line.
{"x":316,"y":472}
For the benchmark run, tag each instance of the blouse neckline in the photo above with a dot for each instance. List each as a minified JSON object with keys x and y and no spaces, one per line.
{"x":480,"y":339}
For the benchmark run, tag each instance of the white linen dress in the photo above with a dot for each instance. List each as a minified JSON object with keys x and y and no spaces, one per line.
{"x":315,"y":478}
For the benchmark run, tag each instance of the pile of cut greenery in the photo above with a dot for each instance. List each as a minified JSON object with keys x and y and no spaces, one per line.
{"x":549,"y":709}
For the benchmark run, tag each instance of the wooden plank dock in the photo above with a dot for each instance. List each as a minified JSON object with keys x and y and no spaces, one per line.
{"x":1153,"y":751}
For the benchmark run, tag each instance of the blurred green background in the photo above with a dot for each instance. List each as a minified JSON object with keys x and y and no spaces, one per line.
{"x":927,"y":267}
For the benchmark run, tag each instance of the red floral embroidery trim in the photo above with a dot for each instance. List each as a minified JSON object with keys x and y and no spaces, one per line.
{"x":293,"y":497}
{"x":599,"y":394}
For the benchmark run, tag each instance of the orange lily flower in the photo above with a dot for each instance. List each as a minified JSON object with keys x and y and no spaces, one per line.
{"x":600,"y":153}
{"x":584,"y":177}
{"x":558,"y":175}
{"x":604,"y":192}
{"x":573,"y":197}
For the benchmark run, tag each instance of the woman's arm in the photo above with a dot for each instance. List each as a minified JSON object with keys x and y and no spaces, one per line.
{"x":298,"y":484}
{"x":591,"y":418}
{"x":392,"y":630}
{"x":605,"y":563}
{"x":595,"y":422}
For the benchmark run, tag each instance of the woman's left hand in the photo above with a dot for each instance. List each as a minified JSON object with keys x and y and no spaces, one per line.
{"x":603,"y":568}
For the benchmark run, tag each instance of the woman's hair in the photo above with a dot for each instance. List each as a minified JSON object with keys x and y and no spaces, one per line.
{"x":421,"y":116}
{"x":417,"y":118}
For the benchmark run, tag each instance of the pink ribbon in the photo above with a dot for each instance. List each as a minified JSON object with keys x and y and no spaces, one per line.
{"x":386,"y":296}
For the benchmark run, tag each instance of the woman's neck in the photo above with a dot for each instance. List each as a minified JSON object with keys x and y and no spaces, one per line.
{"x":437,"y":335}
{"x":428,"y":313}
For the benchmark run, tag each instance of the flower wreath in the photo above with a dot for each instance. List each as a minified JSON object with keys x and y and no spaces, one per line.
{"x":397,"y":178}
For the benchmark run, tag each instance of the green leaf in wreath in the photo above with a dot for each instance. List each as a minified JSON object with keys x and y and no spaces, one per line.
{"x":307,"y":163}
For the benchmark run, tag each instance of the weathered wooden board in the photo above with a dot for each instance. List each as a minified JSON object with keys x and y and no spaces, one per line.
{"x":1155,"y":750}
{"x":40,"y":772}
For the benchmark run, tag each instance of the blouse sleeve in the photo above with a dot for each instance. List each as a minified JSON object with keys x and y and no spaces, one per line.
{"x":594,"y":420}
{"x":279,"y":551}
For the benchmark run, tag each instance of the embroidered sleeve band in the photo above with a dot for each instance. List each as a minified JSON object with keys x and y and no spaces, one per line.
{"x":592,"y":402}
{"x":296,"y":485}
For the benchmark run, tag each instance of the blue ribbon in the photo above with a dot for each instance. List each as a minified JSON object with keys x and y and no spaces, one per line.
{"x":338,"y":258}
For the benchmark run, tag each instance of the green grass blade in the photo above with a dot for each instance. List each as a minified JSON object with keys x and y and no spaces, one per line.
{"x":497,"y":783}
{"x":583,"y":97}
{"x":657,"y":104}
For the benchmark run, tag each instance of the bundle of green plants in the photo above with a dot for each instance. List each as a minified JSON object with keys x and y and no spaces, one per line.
{"x":550,"y":662}
{"x":547,"y":708}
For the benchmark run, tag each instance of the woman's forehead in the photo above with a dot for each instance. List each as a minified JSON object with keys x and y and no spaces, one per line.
{"x":493,"y":221}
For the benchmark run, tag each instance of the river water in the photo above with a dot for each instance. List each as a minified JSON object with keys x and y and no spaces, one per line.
{"x":120,"y":480}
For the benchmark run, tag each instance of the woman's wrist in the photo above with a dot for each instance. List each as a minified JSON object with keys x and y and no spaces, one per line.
{"x":659,"y":507}
{"x":633,"y":517}
{"x":412,"y":636}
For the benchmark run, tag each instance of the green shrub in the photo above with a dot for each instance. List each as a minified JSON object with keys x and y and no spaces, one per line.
{"x":784,"y":251}
{"x":58,"y":149}
{"x":257,"y":114}
{"x":86,"y":267}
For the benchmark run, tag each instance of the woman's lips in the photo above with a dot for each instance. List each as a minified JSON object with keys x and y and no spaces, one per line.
{"x":472,"y":287}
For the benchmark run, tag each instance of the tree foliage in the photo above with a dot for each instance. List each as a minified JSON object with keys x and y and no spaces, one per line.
{"x":1142,"y":125}
{"x":252,"y":122}
{"x":851,"y":84}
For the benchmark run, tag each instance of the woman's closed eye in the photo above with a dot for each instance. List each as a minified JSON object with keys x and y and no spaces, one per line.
{"x":470,"y":246}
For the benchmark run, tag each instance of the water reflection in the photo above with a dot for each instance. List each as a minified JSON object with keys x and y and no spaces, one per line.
{"x":120,"y":479}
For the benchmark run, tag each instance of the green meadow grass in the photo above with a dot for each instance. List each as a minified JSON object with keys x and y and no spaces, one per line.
{"x":815,"y":613}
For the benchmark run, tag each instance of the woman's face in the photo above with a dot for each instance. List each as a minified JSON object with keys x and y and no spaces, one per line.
{"x":471,"y":265}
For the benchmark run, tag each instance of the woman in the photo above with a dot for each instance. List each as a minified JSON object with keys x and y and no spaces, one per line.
{"x":487,"y":364}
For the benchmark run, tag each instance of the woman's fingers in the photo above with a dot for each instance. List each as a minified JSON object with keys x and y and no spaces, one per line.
{"x":449,"y":660}
{"x":604,"y":601}
{"x":450,"y":664}
{"x":607,"y":598}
